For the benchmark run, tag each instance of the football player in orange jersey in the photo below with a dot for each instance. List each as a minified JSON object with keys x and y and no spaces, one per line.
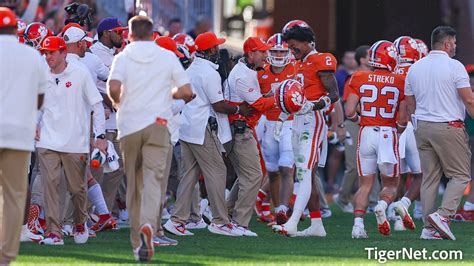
{"x":407,"y":54}
{"x":381,"y":98}
{"x":276,"y":140}
{"x":315,"y":71}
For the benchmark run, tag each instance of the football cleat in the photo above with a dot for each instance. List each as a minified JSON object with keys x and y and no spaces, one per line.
{"x":359,"y":232}
{"x":464,"y":216}
{"x":442,"y":225}
{"x":401,"y":211}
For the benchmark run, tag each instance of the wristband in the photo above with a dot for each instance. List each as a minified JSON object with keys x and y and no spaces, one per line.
{"x":399,"y":125}
{"x":326,"y":100}
{"x":238,"y":110}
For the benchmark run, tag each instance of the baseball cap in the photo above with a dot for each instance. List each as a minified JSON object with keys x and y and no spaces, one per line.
{"x":169,"y":44}
{"x":53,"y":43}
{"x":74,"y":34}
{"x":109,"y":24}
{"x":7,"y":17}
{"x":255,"y":44}
{"x":69,"y":25}
{"x":207,"y":40}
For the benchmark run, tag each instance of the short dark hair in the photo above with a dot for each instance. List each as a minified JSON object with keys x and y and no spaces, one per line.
{"x":174,"y":20}
{"x":141,"y":27}
{"x":302,"y":34}
{"x":361,"y":52}
{"x":440,"y":34}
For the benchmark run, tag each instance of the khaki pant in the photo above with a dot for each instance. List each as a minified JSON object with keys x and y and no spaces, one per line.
{"x":164,"y":184}
{"x":443,"y":148}
{"x":14,"y":184}
{"x":74,"y":164}
{"x":245,"y":158}
{"x":206,"y":159}
{"x":144,"y":155}
{"x":350,"y":179}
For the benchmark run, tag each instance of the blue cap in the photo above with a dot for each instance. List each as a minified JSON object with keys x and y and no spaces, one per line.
{"x":109,"y":24}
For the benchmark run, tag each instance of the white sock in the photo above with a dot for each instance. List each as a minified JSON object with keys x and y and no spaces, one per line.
{"x":383,"y":204}
{"x":359,"y":221}
{"x":381,"y":219}
{"x":468,"y":206}
{"x":316,"y":222}
{"x":96,"y":197}
{"x":406,"y":202}
{"x":281,"y":208}
{"x":302,"y":197}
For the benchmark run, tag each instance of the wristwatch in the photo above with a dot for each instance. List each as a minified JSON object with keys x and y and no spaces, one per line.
{"x":101,"y":136}
{"x":341,"y":125}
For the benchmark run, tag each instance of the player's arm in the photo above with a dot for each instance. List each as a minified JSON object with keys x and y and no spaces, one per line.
{"x":351,"y":107}
{"x":468,"y":99}
{"x":337,"y":118}
{"x":253,"y":96}
{"x":330,"y":84}
{"x":402,"y":116}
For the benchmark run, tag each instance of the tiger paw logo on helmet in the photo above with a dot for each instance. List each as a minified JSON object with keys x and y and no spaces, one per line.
{"x":289,"y":96}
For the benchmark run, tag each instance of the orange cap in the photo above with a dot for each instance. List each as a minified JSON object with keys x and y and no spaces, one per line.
{"x":168,"y":44}
{"x":255,"y":44}
{"x":53,"y":43}
{"x":7,"y":17}
{"x":207,"y":40}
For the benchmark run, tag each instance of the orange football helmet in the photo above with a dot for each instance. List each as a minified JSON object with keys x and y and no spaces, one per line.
{"x":186,"y":40}
{"x":383,"y":54}
{"x":277,"y":43}
{"x":422,"y":47}
{"x":289,"y":96}
{"x":407,"y":49}
{"x":35,"y":33}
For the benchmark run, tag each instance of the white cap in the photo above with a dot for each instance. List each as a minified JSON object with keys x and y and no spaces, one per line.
{"x":74,"y":34}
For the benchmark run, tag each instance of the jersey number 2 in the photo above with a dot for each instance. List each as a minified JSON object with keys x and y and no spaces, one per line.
{"x":368,"y":109}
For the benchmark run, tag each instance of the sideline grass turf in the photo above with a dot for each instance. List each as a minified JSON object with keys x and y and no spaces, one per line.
{"x":268,"y":248}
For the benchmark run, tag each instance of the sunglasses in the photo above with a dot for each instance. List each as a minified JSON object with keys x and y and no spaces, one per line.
{"x":119,"y":32}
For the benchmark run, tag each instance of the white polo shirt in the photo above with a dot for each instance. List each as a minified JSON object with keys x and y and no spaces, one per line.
{"x":23,"y":77}
{"x":97,"y":68}
{"x":105,"y":54}
{"x":65,"y":125}
{"x":147,"y":73}
{"x":242,"y":85}
{"x":206,"y":84}
{"x":434,"y":81}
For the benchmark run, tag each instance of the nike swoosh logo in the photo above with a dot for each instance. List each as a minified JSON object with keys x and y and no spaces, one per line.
{"x":289,"y":76}
{"x":305,"y":123}
{"x":309,"y":63}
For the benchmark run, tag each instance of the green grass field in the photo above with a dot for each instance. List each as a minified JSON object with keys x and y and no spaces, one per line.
{"x":268,"y":248}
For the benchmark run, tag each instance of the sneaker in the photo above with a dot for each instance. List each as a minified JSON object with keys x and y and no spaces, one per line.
{"x":312,"y":231}
{"x":430,"y":234}
{"x":359,"y":232}
{"x":281,"y":217}
{"x":441,"y":224}
{"x":165,"y":215}
{"x":178,"y":229}
{"x":347,"y":208}
{"x":284,"y":229}
{"x":244,"y":230}
{"x":53,"y":240}
{"x":67,"y":230}
{"x":326,"y":213}
{"x":207,"y":215}
{"x":398,"y":225}
{"x":164,"y":241}
{"x":266,"y":218}
{"x":224,"y":229}
{"x":464,"y":216}
{"x":81,"y":234}
{"x":123,"y":214}
{"x":196,"y":225}
{"x":384,"y":226}
{"x":106,"y":221}
{"x":146,"y":249}
{"x":27,"y":236}
{"x":403,"y":213}
{"x":417,"y":211}
{"x":35,"y":227}
{"x":33,"y":216}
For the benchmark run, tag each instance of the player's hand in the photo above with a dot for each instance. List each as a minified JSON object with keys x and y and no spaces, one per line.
{"x":277,"y":130}
{"x":307,"y":108}
{"x":37,"y":133}
{"x":101,"y":144}
{"x":245,"y":109}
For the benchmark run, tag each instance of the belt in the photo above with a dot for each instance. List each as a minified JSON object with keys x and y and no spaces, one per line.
{"x":456,"y":123}
{"x":111,"y":131}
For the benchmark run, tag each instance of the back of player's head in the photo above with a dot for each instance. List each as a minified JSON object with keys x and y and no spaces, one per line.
{"x":440,"y":34}
{"x":141,"y":27}
{"x":361,"y":52}
{"x":298,"y":33}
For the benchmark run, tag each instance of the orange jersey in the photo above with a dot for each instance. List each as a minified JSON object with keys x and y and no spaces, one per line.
{"x":380,"y":93}
{"x":402,"y":70}
{"x":269,"y":81}
{"x":307,"y":73}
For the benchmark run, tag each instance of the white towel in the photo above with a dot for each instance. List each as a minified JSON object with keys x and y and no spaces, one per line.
{"x":323,"y":152}
{"x":111,"y":164}
{"x":385,"y":153}
{"x":403,"y":139}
